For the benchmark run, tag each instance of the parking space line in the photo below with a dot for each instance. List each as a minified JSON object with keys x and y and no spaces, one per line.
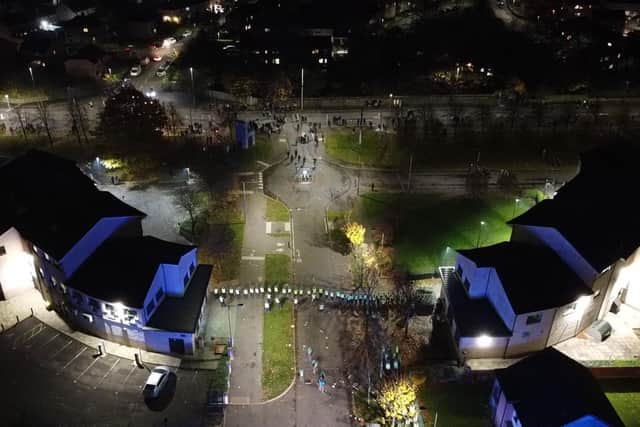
{"x":95,"y":359}
{"x":34,"y":335}
{"x":133,"y":367}
{"x":74,"y":358}
{"x":18,"y":339}
{"x":105,"y":375}
{"x":51,"y":339}
{"x":60,"y":349}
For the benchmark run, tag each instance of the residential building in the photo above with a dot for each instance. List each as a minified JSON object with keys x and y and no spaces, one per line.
{"x":88,"y":62}
{"x":84,"y":251}
{"x":570,"y":261}
{"x":549,"y":389}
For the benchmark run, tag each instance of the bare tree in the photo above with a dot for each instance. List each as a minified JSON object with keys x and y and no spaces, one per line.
{"x":174,"y":120}
{"x":405,"y":294}
{"x":44,"y":115}
{"x":190,"y":201}
{"x":22,"y":121}
{"x":539,"y":112}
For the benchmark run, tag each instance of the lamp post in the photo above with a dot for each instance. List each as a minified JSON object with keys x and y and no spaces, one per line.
{"x":479,"y":232}
{"x":301,"y":89}
{"x":193,"y":98}
{"x":514,"y":207}
{"x":33,"y":81}
{"x":6,"y":96}
{"x":230,"y":332}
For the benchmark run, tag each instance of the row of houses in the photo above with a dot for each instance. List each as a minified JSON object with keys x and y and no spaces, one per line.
{"x":570,"y":261}
{"x":83,"y":249}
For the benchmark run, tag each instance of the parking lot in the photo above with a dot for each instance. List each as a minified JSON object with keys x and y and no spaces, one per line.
{"x":51,"y":379}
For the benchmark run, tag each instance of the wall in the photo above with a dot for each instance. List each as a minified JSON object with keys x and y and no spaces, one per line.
{"x":495,"y":349}
{"x":528,"y":338}
{"x":587,"y":421}
{"x":478,"y":277}
{"x":551,"y":238}
{"x":499,"y":300}
{"x":17,"y":271}
{"x":174,"y":274}
{"x":102,"y":230}
{"x":625,"y":277}
{"x":158,"y":341}
{"x":157,"y":284}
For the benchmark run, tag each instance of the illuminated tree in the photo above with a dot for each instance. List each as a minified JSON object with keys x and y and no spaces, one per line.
{"x":355,"y":233}
{"x":397,"y":399}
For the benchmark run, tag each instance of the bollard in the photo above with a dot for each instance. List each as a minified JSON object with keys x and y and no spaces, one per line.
{"x":32,"y":311}
{"x":100,"y":350}
{"x":17,"y":319}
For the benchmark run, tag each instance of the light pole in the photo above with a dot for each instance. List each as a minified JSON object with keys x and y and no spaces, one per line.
{"x":193,"y":98}
{"x":230,"y":332}
{"x":301,"y":89}
{"x":8,"y":101}
{"x":33,"y":81}
{"x":514,"y":207}
{"x":479,"y":232}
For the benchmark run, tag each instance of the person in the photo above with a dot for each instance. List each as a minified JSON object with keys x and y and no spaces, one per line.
{"x":322,"y":382}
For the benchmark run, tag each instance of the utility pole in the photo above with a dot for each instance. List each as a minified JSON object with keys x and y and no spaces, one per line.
{"x":244,"y":198}
{"x":409,"y":179}
{"x":301,"y":89}
{"x":193,"y":98}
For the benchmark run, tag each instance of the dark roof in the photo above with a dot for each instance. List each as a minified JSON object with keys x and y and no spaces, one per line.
{"x":476,"y":316}
{"x":90,"y":52}
{"x":595,"y":210}
{"x":52,"y":203}
{"x":551,"y":389}
{"x":181,"y":314}
{"x":38,"y":42}
{"x":533,"y":277}
{"x":122,"y":270}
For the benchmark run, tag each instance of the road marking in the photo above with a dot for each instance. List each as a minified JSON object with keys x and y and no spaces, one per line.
{"x":34,"y":335}
{"x":51,"y":339}
{"x":105,"y":375}
{"x":21,"y":339}
{"x":95,"y":359}
{"x":63,"y":347}
{"x":252,"y":258}
{"x":260,"y":162}
{"x":74,"y":358}
{"x":128,"y":375}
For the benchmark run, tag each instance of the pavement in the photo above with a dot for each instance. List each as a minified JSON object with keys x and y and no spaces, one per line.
{"x":57,"y":380}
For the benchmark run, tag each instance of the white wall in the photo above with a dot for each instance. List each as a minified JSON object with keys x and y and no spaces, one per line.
{"x":498,"y":298}
{"x":472,"y":346}
{"x":17,"y":270}
{"x":528,"y":338}
{"x":626,"y":276}
{"x":158,"y":341}
{"x":174,"y":274}
{"x":477,"y":276}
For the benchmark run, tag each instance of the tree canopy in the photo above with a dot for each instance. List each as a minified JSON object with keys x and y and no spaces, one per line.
{"x":129,"y":113}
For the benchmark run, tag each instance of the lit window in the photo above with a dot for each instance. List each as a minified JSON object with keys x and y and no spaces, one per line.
{"x":534,"y":318}
{"x":3,"y":251}
{"x":85,"y":30}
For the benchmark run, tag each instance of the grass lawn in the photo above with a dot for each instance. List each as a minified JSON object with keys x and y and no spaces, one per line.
{"x":624,"y":395}
{"x":276,"y":211}
{"x":262,"y":150}
{"x":277,"y":269}
{"x":278,"y":367}
{"x":377,"y":148}
{"x":457,"y":405}
{"x":425,"y":225}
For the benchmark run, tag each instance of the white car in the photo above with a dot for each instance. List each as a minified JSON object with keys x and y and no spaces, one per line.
{"x":162,"y":70}
{"x":187,"y":33}
{"x":156,"y":382}
{"x":135,"y":71}
{"x":169,"y":41}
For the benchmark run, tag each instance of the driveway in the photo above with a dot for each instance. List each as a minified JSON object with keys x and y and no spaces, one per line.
{"x":50,"y":378}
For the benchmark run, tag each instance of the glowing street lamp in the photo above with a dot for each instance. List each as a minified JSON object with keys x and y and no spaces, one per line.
{"x":6,"y":96}
{"x":33,"y":81}
{"x":482,"y":223}
{"x":514,"y":207}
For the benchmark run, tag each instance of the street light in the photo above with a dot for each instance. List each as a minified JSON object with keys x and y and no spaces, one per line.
{"x":230,"y":333}
{"x":482,"y":223}
{"x":33,"y":81}
{"x":514,"y":207}
{"x":6,"y":96}
{"x":193,"y":97}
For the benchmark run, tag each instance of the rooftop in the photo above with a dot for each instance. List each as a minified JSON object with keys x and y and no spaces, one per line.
{"x":594,"y":211}
{"x":181,"y":314}
{"x":533,"y":277}
{"x":122,"y":270}
{"x":52,"y":203}
{"x":551,"y":389}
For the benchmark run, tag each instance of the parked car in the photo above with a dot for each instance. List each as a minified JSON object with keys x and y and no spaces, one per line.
{"x":145,"y":61}
{"x":135,"y":71}
{"x":169,"y":41}
{"x":162,"y":70}
{"x":156,"y":57}
{"x":156,"y":382}
{"x":187,"y":33}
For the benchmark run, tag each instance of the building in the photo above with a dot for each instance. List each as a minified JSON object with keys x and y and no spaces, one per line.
{"x":570,"y":261}
{"x":549,"y":389}
{"x":88,"y":62}
{"x":83,"y":250}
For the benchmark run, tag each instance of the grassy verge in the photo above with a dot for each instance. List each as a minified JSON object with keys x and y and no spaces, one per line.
{"x":277,"y":269}
{"x":377,"y":148}
{"x":278,"y":366}
{"x":624,"y":395}
{"x":457,"y":405}
{"x":425,"y":225}
{"x":276,"y":211}
{"x":263,"y":150}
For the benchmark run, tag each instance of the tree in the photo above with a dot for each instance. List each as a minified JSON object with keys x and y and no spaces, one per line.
{"x":174,"y":120}
{"x":22,"y":122}
{"x":477,"y":181}
{"x":405,"y":294}
{"x":129,"y":114}
{"x":355,"y":233}
{"x":243,"y":87}
{"x":45,"y":119}
{"x":398,"y":400}
{"x":190,"y":201}
{"x":279,"y":90}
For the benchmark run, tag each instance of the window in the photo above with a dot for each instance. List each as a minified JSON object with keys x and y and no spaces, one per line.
{"x":534,"y":318}
{"x":159,"y":295}
{"x":95,"y":305}
{"x":186,"y":279}
{"x":3,"y":251}
{"x":46,"y":256}
{"x":466,"y":285}
{"x":191,"y":268}
{"x":87,"y":317}
{"x":150,"y":307}
{"x":130,"y":315}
